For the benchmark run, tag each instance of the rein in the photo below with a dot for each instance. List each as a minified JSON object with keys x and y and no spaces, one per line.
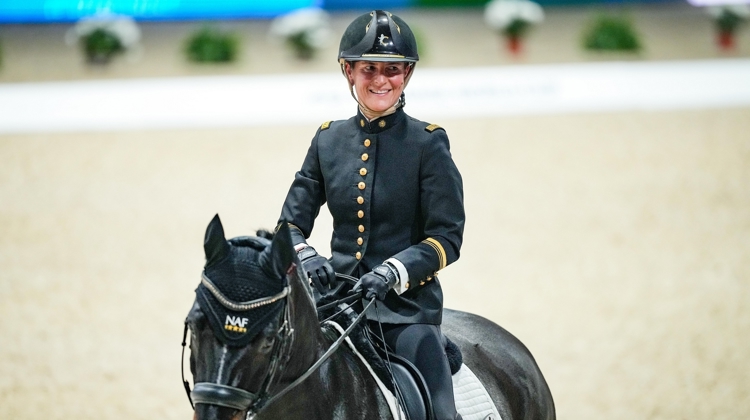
{"x":336,"y":344}
{"x":240,"y":399}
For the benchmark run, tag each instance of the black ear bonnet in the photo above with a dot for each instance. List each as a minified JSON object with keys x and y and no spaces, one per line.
{"x":242,"y":275}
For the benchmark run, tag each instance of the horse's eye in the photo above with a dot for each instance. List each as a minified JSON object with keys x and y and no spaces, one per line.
{"x":266,"y":344}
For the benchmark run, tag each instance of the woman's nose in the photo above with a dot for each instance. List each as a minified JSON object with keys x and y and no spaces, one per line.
{"x":380,"y":78}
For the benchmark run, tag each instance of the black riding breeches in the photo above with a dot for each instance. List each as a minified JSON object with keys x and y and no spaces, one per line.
{"x":424,"y":346}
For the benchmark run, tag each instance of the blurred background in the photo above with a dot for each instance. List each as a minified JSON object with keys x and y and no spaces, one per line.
{"x":604,"y":146}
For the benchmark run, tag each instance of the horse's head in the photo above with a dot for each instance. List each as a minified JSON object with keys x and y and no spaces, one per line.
{"x":250,"y":300}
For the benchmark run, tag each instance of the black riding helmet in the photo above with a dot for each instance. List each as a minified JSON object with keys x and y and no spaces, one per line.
{"x":378,"y":36}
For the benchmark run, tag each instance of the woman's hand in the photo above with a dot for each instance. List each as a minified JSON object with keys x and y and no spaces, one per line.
{"x":377,"y":282}
{"x":317,"y":267}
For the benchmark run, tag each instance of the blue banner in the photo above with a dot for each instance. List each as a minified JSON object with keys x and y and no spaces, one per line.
{"x":72,"y":10}
{"x":366,"y":5}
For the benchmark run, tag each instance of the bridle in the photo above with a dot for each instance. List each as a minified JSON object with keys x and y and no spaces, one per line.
{"x":240,"y":399}
{"x":233,"y":397}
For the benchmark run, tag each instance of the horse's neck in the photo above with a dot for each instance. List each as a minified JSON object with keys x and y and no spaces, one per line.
{"x":308,"y":340}
{"x":342,"y":388}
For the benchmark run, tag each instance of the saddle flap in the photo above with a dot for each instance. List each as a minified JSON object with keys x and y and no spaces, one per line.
{"x":408,"y":392}
{"x":410,"y":387}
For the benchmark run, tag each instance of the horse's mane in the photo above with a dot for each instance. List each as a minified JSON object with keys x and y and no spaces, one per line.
{"x":361,"y":336}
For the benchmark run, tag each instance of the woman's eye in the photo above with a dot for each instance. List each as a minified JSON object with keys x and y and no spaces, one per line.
{"x":393,"y":70}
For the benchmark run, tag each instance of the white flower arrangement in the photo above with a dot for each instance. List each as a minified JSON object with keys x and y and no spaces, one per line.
{"x":102,"y":36}
{"x":513,"y":18}
{"x":304,"y":30}
{"x":740,"y":12}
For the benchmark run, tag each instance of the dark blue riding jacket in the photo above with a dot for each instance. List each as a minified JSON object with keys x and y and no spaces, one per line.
{"x":394,"y":192}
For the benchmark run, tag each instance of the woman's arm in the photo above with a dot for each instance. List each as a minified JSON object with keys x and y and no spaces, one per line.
{"x":305,"y":197}
{"x":442,"y":211}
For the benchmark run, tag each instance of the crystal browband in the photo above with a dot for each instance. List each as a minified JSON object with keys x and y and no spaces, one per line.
{"x":241,"y":306}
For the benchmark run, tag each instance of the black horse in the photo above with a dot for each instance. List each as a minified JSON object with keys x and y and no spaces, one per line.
{"x":258,"y":350}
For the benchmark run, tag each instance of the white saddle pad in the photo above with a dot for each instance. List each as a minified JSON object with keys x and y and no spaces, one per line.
{"x":472,"y":399}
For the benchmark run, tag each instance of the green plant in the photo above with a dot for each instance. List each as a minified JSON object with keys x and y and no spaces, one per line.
{"x":101,"y":45}
{"x":611,"y":33}
{"x":301,"y":46}
{"x":209,"y":45}
{"x":728,"y":21}
{"x":517,"y":28}
{"x":101,"y":37}
{"x":305,"y":31}
{"x":513,"y":18}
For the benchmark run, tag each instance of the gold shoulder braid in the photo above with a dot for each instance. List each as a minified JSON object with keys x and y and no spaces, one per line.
{"x":432,"y":127}
{"x":325,"y":125}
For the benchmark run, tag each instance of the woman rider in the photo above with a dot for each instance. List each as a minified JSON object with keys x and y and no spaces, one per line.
{"x":395,"y":195}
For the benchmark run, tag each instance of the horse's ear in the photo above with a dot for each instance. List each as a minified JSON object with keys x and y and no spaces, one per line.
{"x":215,"y":244}
{"x":280,"y":254}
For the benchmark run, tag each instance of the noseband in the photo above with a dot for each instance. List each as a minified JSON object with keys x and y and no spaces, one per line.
{"x":240,"y":399}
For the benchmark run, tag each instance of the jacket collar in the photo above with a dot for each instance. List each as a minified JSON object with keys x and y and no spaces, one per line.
{"x":379,"y":125}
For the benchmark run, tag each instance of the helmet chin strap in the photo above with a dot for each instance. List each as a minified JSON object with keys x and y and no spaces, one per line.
{"x":400,"y":103}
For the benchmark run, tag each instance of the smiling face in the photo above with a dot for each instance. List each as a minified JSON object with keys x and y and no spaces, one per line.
{"x":378,"y":84}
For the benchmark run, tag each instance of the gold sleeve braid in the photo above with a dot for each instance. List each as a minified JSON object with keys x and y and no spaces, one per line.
{"x":442,"y":257}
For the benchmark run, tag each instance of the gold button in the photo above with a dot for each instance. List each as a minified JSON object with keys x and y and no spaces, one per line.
{"x":381,"y":123}
{"x":361,"y":123}
{"x":429,"y":278}
{"x":360,"y":241}
{"x":361,"y":228}
{"x":367,"y":142}
{"x":421,"y":283}
{"x":360,"y":214}
{"x":360,"y":200}
{"x":361,"y":185}
{"x":406,"y":285}
{"x":358,"y":255}
{"x":365,"y":156}
{"x":363,"y":171}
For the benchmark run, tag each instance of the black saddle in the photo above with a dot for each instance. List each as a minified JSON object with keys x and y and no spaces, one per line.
{"x":410,"y":387}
